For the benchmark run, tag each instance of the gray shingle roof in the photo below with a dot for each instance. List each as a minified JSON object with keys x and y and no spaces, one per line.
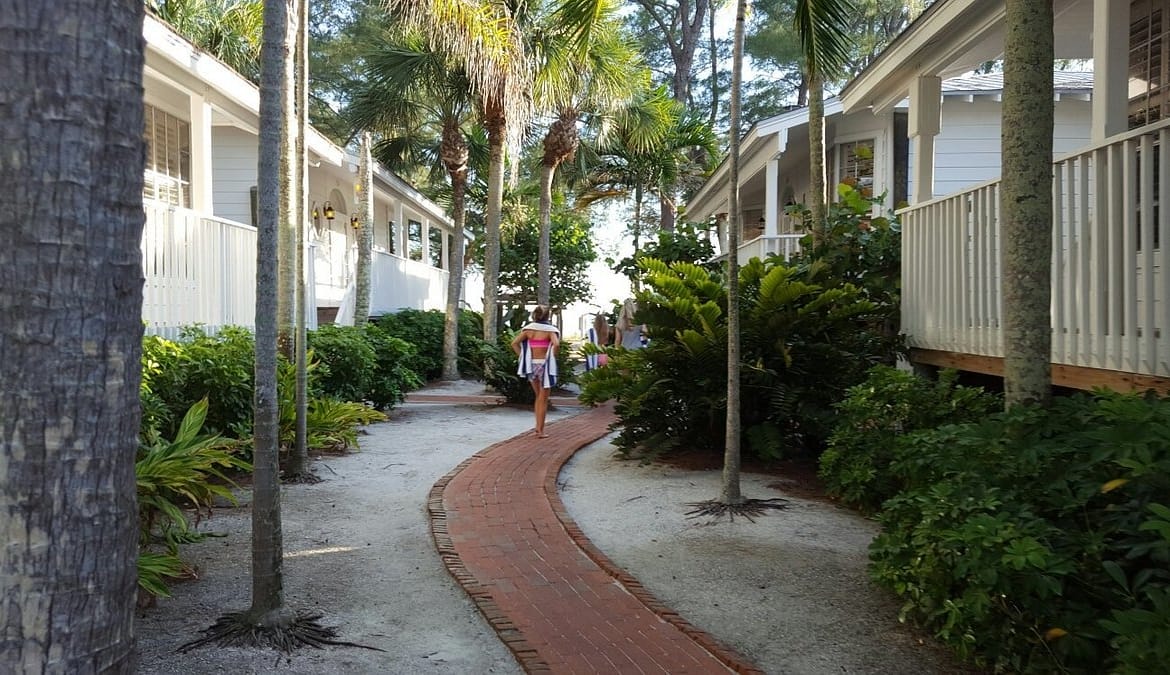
{"x":1063,"y":80}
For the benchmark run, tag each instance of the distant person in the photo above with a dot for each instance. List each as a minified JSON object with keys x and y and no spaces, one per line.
{"x":629,"y":334}
{"x":536,"y":346}
{"x":598,"y":336}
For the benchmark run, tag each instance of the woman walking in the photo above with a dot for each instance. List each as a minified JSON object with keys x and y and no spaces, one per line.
{"x":629,"y":334}
{"x":598,"y":336}
{"x":536,"y":346}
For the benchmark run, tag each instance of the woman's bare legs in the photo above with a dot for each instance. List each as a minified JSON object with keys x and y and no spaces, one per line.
{"x":541,"y":411}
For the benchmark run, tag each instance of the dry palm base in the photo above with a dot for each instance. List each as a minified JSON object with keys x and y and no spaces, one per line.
{"x":749,"y":508}
{"x":286,"y":633}
{"x":306,"y":478}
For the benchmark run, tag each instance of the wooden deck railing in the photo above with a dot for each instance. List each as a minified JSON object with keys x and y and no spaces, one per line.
{"x":1110,"y":290}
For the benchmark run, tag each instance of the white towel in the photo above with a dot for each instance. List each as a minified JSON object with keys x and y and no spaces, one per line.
{"x":526,"y":367}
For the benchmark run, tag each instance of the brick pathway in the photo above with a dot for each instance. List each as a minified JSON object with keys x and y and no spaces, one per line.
{"x":558,"y":603}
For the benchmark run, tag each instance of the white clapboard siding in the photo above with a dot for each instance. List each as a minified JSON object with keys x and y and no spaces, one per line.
{"x":1110,"y":291}
{"x":399,"y":283}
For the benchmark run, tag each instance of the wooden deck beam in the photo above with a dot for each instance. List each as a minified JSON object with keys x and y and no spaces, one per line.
{"x":1074,"y":377}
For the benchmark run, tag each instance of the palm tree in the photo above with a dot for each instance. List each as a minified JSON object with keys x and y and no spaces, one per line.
{"x":822,"y":26}
{"x":1026,"y":200}
{"x":648,"y":145}
{"x":70,"y":414}
{"x":588,"y":64}
{"x":487,"y":39}
{"x":365,"y":233}
{"x":408,"y":88}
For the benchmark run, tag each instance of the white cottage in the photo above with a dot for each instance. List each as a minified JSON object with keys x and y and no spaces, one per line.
{"x":199,"y":244}
{"x":1111,"y":294}
{"x":875,"y":151}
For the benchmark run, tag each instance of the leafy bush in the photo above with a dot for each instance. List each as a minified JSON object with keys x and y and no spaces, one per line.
{"x":877,"y":415}
{"x":500,"y":364}
{"x":1038,"y":540}
{"x":424,"y":330}
{"x":187,"y":472}
{"x":347,"y":361}
{"x":802,"y":345}
{"x":391,"y":377}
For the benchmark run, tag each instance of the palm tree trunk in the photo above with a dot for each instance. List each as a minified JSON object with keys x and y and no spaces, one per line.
{"x":714,"y":68}
{"x":454,"y":277}
{"x":71,"y":337}
{"x":1026,"y":200}
{"x":267,"y":542}
{"x":730,"y":493}
{"x":495,"y":202}
{"x":666,"y":215}
{"x":286,"y":274}
{"x":816,"y":155}
{"x":365,"y":233}
{"x":299,"y":458}
{"x":544,"y":258}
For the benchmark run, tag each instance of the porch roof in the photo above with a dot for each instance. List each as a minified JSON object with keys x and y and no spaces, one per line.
{"x":953,"y":37}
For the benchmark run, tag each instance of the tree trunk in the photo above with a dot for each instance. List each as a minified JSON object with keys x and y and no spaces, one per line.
{"x":71,"y":337}
{"x":365,"y":233}
{"x":454,"y":277}
{"x":816,"y":155}
{"x":637,"y":231}
{"x":495,"y":202}
{"x":543,"y":257}
{"x":714,"y":68}
{"x":730,"y":493}
{"x":267,"y":541}
{"x":286,"y":274}
{"x":666,"y":210}
{"x":1026,"y":201}
{"x":298,"y":464}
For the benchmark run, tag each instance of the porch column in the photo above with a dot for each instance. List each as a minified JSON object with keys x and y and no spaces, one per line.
{"x":426,"y":240}
{"x":772,"y":198}
{"x":1110,"y":69}
{"x":923,"y":125}
{"x":446,"y":252}
{"x":721,"y":229}
{"x":201,"y":163}
{"x":400,"y":236}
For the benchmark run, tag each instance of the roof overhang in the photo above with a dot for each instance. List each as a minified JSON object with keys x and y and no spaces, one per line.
{"x":953,"y":37}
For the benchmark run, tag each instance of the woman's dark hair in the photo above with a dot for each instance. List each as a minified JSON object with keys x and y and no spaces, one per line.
{"x":541,"y":313}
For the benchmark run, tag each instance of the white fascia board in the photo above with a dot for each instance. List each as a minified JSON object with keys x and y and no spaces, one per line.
{"x":886,"y":80}
{"x":163,"y":41}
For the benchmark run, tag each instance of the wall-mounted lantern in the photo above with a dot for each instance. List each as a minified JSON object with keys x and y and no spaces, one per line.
{"x":327,"y":209}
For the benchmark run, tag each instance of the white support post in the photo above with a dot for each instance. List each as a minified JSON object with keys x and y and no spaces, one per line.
{"x":444,"y":263}
{"x":402,"y":234}
{"x":924,"y":124}
{"x":201,"y":162}
{"x":1110,"y":68}
{"x":426,"y":241}
{"x":772,"y":198}
{"x":721,"y":228}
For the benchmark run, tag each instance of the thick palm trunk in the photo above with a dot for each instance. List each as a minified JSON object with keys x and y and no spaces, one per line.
{"x":71,"y":336}
{"x":455,"y":277}
{"x":544,"y":257}
{"x":666,"y":214}
{"x":1026,"y":200}
{"x":730,"y":493}
{"x":267,"y":540}
{"x":816,"y":155}
{"x":365,"y":235}
{"x":491,"y":255}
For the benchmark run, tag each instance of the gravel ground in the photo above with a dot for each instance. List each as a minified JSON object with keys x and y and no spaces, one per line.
{"x":789,"y":591}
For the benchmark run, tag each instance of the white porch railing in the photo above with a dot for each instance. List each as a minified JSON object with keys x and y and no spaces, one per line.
{"x":1110,"y":292}
{"x":783,"y":245}
{"x":398,"y":283}
{"x":198,"y":270}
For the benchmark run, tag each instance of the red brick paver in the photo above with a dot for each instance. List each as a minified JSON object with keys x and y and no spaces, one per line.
{"x":558,"y":603}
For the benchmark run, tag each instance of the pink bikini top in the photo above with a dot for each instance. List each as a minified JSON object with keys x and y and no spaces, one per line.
{"x":538,"y":342}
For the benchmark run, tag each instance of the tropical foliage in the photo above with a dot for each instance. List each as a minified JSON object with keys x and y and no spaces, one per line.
{"x":1038,"y":540}
{"x":423,"y":331}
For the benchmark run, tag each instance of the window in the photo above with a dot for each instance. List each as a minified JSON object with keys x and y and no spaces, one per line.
{"x":414,"y":234}
{"x":168,"y":158}
{"x":436,"y":237}
{"x":1147,"y":62}
{"x":856,"y":164}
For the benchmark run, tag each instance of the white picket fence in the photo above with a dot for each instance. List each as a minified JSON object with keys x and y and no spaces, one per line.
{"x":1110,"y":292}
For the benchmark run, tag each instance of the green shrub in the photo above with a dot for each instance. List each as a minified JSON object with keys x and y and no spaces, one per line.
{"x":424,"y":330}
{"x":348,"y":361}
{"x":878,"y":414}
{"x":219,"y":368}
{"x":802,"y":346}
{"x":1038,"y":540}
{"x":392,"y":376}
{"x":500,"y":364}
{"x":173,"y":475}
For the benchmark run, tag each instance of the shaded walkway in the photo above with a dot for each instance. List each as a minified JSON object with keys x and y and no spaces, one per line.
{"x":557,"y":602}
